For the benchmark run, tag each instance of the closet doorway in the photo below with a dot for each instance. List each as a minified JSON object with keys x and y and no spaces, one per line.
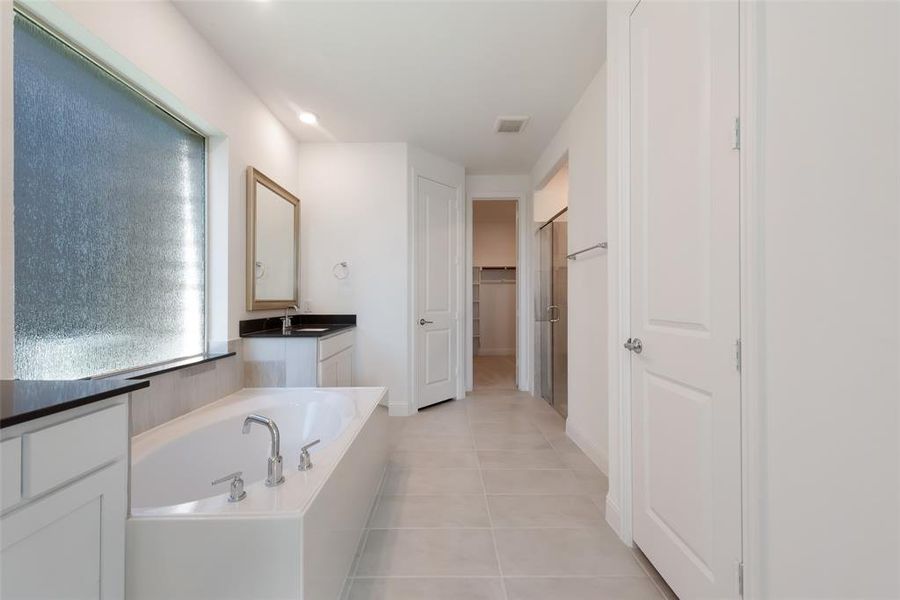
{"x":494,"y":315}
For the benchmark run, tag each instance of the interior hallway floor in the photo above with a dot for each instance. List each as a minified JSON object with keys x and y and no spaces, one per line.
{"x":494,"y":372}
{"x":487,"y":499}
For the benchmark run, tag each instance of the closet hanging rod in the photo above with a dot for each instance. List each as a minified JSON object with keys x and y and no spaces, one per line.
{"x":574,"y":255}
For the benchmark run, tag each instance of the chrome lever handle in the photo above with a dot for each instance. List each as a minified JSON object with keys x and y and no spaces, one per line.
{"x":236,"y":493}
{"x":424,"y":322}
{"x":305,"y":460}
{"x":235,"y":475}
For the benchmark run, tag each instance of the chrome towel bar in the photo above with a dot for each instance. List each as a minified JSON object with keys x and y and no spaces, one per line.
{"x":574,"y":255}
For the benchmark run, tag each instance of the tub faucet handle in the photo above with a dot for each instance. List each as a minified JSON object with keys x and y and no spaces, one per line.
{"x":237,"y":486}
{"x":305,"y":460}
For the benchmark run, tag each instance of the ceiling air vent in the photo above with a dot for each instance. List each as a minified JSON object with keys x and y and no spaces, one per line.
{"x":511,"y":124}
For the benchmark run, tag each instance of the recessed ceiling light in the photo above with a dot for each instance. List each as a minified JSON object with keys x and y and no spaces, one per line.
{"x":308,"y":118}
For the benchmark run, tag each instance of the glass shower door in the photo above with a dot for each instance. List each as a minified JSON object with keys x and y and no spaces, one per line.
{"x":552,"y":314}
{"x":543,"y":312}
{"x":559,"y":317}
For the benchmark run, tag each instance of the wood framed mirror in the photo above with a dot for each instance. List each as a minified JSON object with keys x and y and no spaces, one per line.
{"x":273,"y":244}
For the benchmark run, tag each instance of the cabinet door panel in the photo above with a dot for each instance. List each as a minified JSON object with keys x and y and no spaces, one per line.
{"x":68,"y":547}
{"x":68,"y":544}
{"x":328,"y":372}
{"x":345,"y":368}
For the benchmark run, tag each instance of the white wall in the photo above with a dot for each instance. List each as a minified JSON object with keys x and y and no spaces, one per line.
{"x":497,"y":325}
{"x":354,"y":199}
{"x":828,"y":237}
{"x":581,"y":137}
{"x":188,"y":77}
{"x":494,"y":234}
{"x":495,"y":243}
{"x":357,"y":208}
{"x":552,"y":196}
{"x":502,"y":187}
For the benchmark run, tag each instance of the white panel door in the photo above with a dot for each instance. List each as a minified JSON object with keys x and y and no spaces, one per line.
{"x":685,"y":293}
{"x":435,"y":360}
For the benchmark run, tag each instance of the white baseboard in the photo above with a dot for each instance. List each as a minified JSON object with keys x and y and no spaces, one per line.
{"x":597,"y":455}
{"x":613,"y":516}
{"x":397,"y":409}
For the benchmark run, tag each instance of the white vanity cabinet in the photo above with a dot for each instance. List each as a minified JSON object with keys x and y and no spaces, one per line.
{"x":65,"y":494}
{"x":336,"y":361}
{"x":299,"y":361}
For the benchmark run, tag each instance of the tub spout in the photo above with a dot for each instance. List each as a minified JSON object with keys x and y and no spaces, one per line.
{"x":275,"y":476}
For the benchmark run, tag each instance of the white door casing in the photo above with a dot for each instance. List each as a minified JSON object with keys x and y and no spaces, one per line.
{"x":436,"y":262}
{"x":685,"y":293}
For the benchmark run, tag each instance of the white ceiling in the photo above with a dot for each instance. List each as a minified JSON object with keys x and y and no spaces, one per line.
{"x":435,"y":74}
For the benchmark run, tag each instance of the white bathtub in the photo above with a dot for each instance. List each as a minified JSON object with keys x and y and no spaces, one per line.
{"x":293,"y":541}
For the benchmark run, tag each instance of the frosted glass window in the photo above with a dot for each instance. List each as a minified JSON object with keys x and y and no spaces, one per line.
{"x":110,"y":220}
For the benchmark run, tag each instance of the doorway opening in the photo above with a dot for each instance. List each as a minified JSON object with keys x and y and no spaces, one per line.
{"x":494,"y":293}
{"x":551,"y":291}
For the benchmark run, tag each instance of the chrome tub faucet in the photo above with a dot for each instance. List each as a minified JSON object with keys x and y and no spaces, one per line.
{"x":275,"y":476}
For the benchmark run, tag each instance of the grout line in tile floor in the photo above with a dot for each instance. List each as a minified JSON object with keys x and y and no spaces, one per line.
{"x":488,"y":577}
{"x":488,"y":508}
{"x":456,"y":419}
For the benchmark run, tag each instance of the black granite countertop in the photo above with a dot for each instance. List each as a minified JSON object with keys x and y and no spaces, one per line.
{"x":22,"y":401}
{"x":304,"y":326}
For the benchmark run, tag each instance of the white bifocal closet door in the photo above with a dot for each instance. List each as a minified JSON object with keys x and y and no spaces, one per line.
{"x":685,"y":293}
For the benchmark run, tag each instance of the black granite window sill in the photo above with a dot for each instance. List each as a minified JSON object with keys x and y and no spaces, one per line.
{"x":169,"y":367}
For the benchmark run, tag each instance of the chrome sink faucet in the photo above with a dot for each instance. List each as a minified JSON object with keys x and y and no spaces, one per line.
{"x":286,"y":320}
{"x":275,"y":476}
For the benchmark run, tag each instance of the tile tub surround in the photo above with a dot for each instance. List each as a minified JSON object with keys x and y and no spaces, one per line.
{"x":176,"y":393}
{"x":487,"y":499}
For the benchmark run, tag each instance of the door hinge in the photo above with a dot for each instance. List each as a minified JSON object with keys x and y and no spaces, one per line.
{"x":740,"y":578}
{"x":737,"y":133}
{"x":737,"y":354}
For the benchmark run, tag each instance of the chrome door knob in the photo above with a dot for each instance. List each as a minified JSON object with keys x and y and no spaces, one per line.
{"x":634,"y":345}
{"x":423,"y":322}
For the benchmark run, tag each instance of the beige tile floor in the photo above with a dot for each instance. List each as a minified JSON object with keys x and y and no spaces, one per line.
{"x":494,"y":372}
{"x":487,"y":499}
